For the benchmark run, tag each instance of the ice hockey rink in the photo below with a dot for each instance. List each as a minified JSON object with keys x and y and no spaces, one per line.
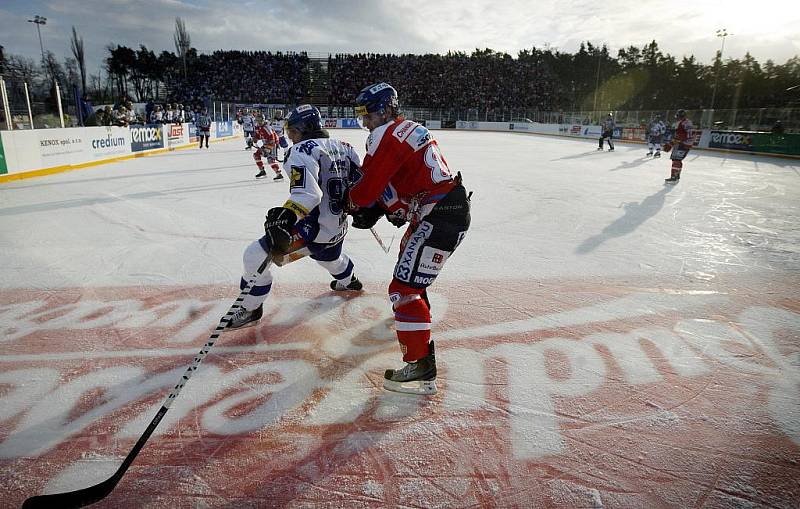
{"x":603,"y":339}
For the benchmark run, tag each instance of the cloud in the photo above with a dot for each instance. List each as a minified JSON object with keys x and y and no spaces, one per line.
{"x":680,"y":26}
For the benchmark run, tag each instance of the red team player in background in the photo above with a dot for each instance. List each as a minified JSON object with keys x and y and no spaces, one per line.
{"x":266,"y":140}
{"x":404,"y":177}
{"x":681,"y":143}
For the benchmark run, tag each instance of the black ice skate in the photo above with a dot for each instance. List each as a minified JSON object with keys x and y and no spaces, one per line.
{"x":353,"y":285}
{"x":600,"y":148}
{"x":415,"y":378}
{"x":244,"y":318}
{"x":261,"y":174}
{"x":672,"y":180}
{"x":657,"y":154}
{"x":650,"y":153}
{"x":279,"y":176}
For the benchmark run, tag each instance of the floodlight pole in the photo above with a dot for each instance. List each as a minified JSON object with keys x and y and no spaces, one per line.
{"x":40,"y":20}
{"x":720,"y":33}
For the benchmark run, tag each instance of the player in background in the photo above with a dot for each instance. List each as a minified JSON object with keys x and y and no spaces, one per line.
{"x":248,"y":122}
{"x":277,"y":126}
{"x":312,"y":219}
{"x":203,"y":123}
{"x":655,"y":136}
{"x":265,"y":141}
{"x":682,"y":141}
{"x":607,"y":131}
{"x":405,"y":177}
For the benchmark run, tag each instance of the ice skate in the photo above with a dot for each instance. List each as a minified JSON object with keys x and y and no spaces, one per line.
{"x":244,"y":318}
{"x":600,"y":148}
{"x":417,"y":377}
{"x":279,"y":176}
{"x":657,"y":154}
{"x":672,"y":180}
{"x":611,"y":149}
{"x":353,"y":285}
{"x":261,"y":174}
{"x":649,"y":153}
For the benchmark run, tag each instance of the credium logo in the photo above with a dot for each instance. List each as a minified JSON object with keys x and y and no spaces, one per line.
{"x":108,"y":142}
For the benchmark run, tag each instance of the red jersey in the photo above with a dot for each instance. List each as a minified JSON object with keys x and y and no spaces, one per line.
{"x":403,"y":170}
{"x":683,"y":133}
{"x":265,"y":133}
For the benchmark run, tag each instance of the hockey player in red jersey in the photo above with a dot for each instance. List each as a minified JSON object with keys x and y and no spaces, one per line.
{"x":265,"y":140}
{"x":682,"y":141}
{"x":405,"y":177}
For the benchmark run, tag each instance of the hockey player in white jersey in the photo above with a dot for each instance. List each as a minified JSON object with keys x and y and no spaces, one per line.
{"x":655,"y":136}
{"x":248,"y":122}
{"x":277,"y":126}
{"x":313,"y":220}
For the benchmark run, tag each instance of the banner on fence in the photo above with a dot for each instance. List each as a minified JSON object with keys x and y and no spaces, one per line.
{"x":60,"y":146}
{"x":732,"y":140}
{"x":177,"y":134}
{"x":3,"y":164}
{"x":107,"y":141}
{"x":147,"y":137}
{"x":223,"y":129}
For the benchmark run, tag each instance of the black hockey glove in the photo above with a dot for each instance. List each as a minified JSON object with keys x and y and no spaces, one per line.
{"x":278,"y":228}
{"x":366,"y":217}
{"x":396,"y":220}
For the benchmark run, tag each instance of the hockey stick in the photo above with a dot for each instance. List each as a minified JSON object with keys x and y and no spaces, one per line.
{"x":92,"y":494}
{"x":380,"y":241}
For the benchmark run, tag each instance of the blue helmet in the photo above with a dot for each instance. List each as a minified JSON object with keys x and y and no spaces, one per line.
{"x":376,"y":98}
{"x":305,"y":118}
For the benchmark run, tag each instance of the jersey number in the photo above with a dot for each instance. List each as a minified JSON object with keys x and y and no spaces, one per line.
{"x":439,"y":170}
{"x":336,"y":189}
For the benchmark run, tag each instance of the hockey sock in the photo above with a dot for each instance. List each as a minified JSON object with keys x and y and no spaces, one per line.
{"x":676,"y":169}
{"x":412,"y":319}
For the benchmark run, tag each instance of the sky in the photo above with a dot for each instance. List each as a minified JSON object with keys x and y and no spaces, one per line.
{"x":768,"y":30}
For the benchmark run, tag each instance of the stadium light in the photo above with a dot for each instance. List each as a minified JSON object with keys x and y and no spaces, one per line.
{"x":720,"y":33}
{"x":40,"y":20}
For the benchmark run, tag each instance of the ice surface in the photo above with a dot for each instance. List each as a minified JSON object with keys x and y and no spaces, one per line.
{"x":603,"y":340}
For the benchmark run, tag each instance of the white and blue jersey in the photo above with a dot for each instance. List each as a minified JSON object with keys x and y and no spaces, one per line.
{"x":318,"y":172}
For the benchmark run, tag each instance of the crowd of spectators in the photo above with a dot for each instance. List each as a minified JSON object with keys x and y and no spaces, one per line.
{"x":125,"y":113}
{"x":244,"y":76}
{"x":457,"y":80}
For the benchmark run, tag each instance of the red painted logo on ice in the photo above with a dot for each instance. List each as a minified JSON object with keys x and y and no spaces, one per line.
{"x":550,"y":394}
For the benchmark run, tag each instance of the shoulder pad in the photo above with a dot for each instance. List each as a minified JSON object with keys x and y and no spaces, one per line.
{"x":412,"y":133}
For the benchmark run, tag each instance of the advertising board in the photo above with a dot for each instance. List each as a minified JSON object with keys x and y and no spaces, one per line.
{"x":223,"y":129}
{"x":147,"y":137}
{"x":732,"y":140}
{"x":107,"y":141}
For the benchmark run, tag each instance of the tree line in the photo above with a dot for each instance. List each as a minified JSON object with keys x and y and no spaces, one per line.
{"x":637,"y":78}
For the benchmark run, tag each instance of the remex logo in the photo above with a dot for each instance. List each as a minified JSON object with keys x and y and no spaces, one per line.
{"x":144,"y":134}
{"x":146,"y":138}
{"x":731,"y":138}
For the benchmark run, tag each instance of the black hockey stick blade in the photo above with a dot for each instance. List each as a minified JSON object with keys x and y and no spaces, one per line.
{"x":92,"y":494}
{"x":97,"y":492}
